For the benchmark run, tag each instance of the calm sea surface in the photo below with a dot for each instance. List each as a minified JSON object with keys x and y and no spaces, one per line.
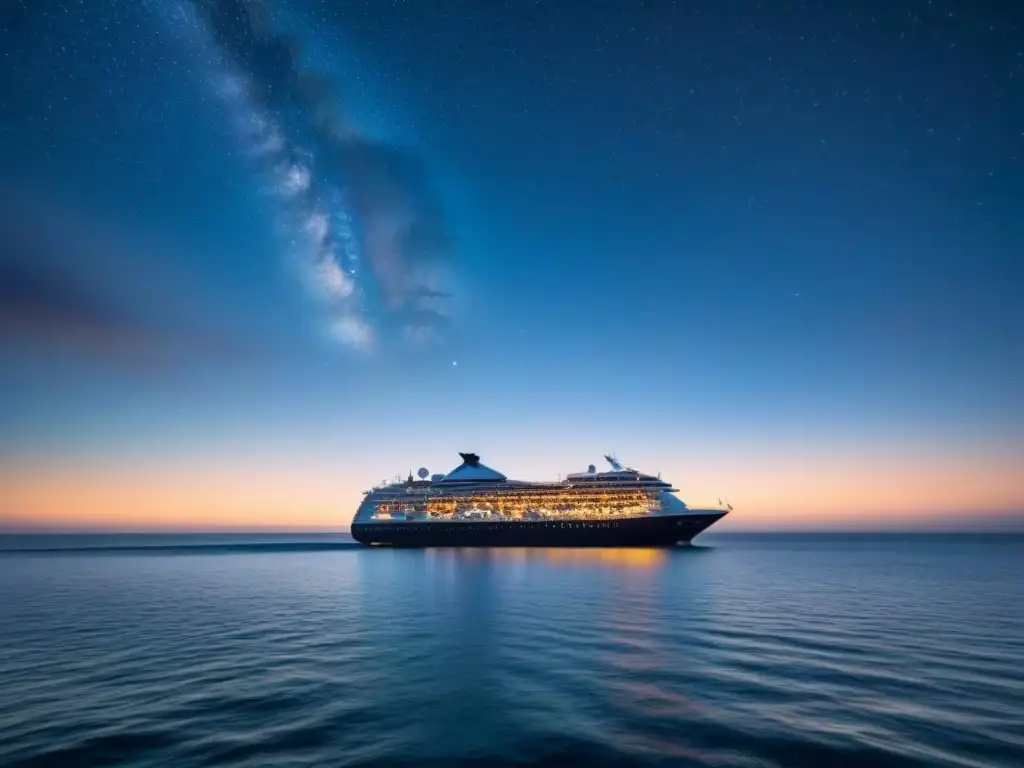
{"x":746,"y":651}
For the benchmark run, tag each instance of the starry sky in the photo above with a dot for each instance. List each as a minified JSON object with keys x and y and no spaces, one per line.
{"x":256,"y":255}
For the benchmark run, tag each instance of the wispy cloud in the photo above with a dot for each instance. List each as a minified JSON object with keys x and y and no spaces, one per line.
{"x":68,"y":285}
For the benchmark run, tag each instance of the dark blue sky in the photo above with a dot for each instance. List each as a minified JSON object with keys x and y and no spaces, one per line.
{"x":381,"y":232}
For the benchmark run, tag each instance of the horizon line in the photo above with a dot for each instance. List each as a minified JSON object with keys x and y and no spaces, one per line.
{"x":1017,"y":529}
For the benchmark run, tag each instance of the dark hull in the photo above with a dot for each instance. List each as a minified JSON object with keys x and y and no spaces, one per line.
{"x":654,"y":531}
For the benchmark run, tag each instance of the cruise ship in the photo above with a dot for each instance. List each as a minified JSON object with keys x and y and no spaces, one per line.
{"x":474,"y":505}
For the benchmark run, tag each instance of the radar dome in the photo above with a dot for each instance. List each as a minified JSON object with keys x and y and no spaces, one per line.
{"x":422,"y":472}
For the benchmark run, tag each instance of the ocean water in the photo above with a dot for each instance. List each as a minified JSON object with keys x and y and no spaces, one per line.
{"x":766,"y":651}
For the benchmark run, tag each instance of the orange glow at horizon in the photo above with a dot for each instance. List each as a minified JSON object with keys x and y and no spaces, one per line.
{"x":281,"y":495}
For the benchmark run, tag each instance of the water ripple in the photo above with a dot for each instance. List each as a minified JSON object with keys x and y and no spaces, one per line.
{"x":749,"y":654}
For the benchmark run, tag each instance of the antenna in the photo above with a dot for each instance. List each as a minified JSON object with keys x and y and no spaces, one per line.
{"x":610,"y":458}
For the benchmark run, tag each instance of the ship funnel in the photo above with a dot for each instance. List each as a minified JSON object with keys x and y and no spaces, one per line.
{"x":591,"y":469}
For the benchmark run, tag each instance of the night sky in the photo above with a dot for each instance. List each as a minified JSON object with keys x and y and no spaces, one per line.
{"x":255,"y":256}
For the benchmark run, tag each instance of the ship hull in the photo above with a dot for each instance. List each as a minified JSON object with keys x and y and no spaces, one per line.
{"x":653,"y":531}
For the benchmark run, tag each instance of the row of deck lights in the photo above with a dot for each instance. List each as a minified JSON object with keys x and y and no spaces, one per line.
{"x":589,"y":505}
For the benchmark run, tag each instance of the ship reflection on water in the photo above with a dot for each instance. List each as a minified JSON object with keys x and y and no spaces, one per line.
{"x":526,"y":634}
{"x":628,"y":558}
{"x":632,"y":559}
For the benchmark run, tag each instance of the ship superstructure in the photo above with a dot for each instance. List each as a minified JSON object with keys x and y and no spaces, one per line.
{"x":476,"y":505}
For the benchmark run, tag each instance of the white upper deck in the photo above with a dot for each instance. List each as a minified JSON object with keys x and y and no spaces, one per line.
{"x":471,"y":477}
{"x":617,"y":474}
